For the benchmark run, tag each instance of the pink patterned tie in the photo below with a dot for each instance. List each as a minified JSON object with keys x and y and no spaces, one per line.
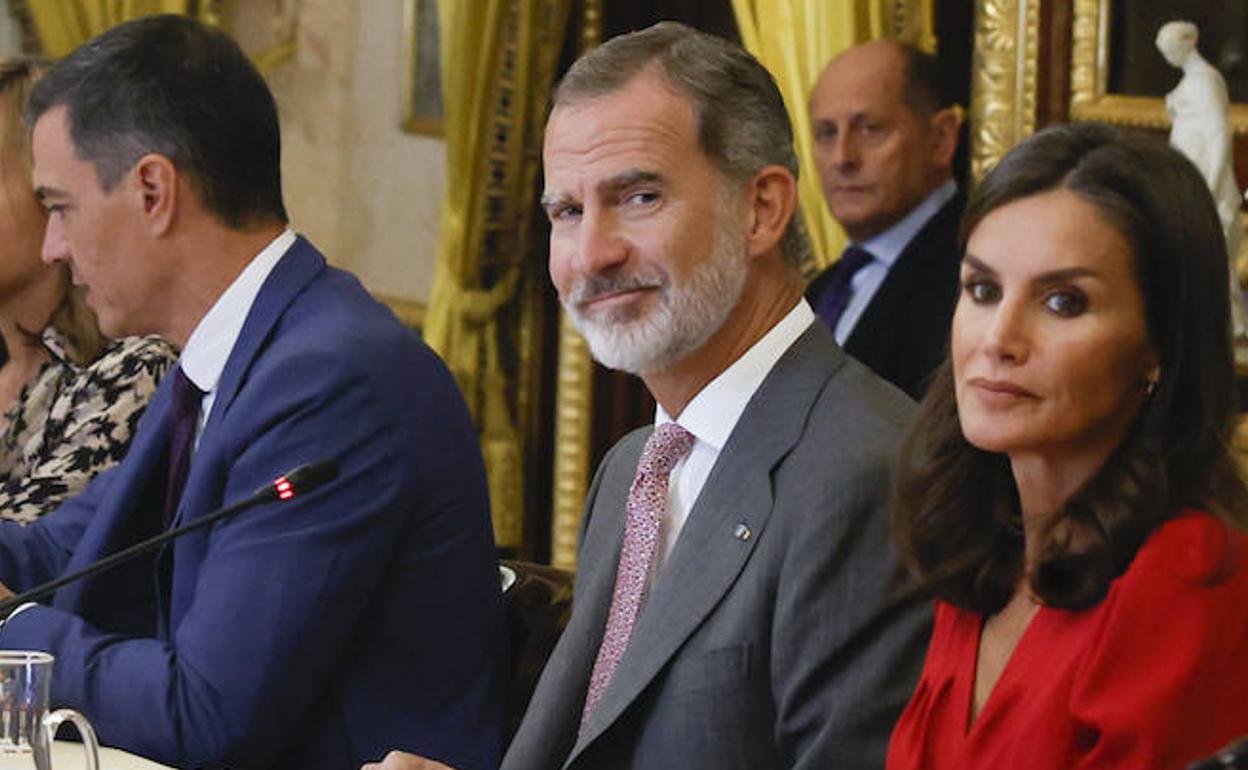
{"x":645,"y":509}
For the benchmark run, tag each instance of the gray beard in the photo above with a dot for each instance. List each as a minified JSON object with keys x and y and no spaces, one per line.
{"x":687,"y":314}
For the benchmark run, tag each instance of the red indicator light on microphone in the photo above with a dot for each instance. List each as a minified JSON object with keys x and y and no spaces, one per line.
{"x":283,"y":488}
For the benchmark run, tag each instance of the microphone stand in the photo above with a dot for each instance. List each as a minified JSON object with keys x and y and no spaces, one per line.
{"x":301,"y":480}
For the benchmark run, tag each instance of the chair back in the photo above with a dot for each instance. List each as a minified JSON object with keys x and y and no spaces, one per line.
{"x":538,"y":602}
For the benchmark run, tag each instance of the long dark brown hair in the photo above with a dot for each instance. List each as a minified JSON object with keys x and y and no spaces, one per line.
{"x":956,"y":515}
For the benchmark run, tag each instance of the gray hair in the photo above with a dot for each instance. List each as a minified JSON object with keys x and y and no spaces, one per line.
{"x":742,"y":123}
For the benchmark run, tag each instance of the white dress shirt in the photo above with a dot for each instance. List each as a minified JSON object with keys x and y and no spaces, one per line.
{"x":714,"y":412}
{"x":886,"y":248}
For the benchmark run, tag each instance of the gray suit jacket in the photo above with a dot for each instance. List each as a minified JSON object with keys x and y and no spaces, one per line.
{"x":791,"y":648}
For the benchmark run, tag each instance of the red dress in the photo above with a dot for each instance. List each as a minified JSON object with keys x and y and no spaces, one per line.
{"x":1155,"y":676}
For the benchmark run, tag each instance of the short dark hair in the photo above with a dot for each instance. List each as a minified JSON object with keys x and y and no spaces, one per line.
{"x":742,"y":123}
{"x":924,"y":90}
{"x":956,"y":514}
{"x":170,"y":85}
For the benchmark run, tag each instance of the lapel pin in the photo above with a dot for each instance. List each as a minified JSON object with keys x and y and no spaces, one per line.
{"x":742,"y":533}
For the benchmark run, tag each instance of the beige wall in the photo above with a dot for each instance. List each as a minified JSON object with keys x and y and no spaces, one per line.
{"x":366,"y":192}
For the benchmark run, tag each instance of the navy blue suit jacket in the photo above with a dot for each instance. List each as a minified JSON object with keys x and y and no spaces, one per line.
{"x":315,"y":633}
{"x":903,"y":334}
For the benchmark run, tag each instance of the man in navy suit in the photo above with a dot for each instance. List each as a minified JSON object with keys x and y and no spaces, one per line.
{"x":885,"y":132}
{"x":311,"y":633}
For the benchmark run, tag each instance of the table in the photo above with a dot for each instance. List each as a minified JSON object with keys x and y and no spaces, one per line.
{"x":68,"y":755}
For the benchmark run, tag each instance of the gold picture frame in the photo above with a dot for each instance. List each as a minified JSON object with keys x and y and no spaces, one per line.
{"x":1090,"y":98}
{"x":1004,"y":79}
{"x":422,"y":75}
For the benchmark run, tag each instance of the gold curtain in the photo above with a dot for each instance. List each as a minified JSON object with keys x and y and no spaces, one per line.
{"x":498,"y":65}
{"x":795,"y":39}
{"x":63,"y":25}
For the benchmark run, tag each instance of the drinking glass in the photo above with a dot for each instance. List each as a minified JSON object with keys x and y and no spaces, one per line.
{"x":26,"y":727}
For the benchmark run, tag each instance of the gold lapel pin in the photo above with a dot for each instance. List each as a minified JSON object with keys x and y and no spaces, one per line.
{"x":742,"y":533}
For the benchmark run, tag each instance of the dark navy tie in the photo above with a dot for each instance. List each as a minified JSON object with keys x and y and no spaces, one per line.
{"x":831,"y":304}
{"x":183,"y":419}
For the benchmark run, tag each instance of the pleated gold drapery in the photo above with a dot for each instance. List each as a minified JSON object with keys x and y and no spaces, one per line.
{"x":63,"y":25}
{"x":498,"y":66}
{"x":794,"y":39}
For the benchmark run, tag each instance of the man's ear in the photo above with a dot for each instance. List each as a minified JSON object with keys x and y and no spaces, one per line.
{"x":772,"y":198}
{"x":944,"y":125}
{"x":157,"y":180}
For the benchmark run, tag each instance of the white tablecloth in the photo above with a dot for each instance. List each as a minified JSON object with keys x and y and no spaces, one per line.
{"x":68,"y":755}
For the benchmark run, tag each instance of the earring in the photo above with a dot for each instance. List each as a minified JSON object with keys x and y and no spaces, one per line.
{"x":1150,"y":387}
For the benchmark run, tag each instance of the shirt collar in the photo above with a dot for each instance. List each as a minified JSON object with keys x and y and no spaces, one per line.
{"x":888,"y":245}
{"x":713,"y":413}
{"x":208,"y":348}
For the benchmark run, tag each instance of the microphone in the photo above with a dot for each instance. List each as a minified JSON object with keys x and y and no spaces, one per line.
{"x":1233,"y":757}
{"x":298,"y":481}
{"x":293,"y":483}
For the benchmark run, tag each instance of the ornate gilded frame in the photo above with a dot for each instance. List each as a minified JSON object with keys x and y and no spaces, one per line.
{"x":1089,"y":76}
{"x":1003,"y":86}
{"x":419,"y":116}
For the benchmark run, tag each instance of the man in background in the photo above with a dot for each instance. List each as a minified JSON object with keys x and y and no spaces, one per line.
{"x":737,"y":602}
{"x":885,"y":133}
{"x":307,"y":633}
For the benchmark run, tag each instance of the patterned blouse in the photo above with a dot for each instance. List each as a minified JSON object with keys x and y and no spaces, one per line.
{"x":70,"y":422}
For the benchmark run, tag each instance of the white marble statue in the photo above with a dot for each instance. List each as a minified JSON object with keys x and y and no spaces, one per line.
{"x":1199,"y":129}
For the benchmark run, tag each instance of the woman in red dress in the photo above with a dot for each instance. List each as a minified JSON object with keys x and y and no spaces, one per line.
{"x":1067,"y":491}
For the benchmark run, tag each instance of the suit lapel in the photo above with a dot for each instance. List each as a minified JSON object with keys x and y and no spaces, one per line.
{"x":136,"y":491}
{"x":290,"y":275}
{"x":709,"y":554}
{"x":297,"y":267}
{"x":889,"y":303}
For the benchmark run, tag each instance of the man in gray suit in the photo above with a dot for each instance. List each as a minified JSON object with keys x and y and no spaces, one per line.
{"x":738,"y":603}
